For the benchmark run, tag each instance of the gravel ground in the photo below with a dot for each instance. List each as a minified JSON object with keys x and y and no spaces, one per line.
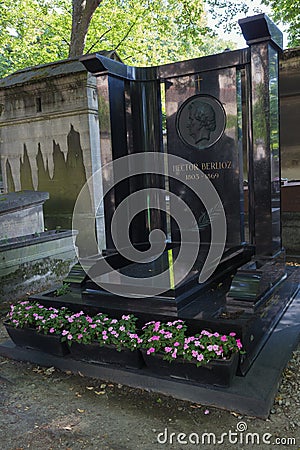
{"x":45,"y":409}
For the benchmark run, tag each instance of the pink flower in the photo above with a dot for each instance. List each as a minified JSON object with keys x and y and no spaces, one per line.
{"x":93,"y":325}
{"x":205,"y":333}
{"x":200,"y":357}
{"x":206,"y":411}
{"x":70,"y":337}
{"x":154,"y":338}
{"x":168,"y":349}
{"x":224,"y":338}
{"x":156,"y":326}
{"x":70,"y":319}
{"x":125,"y":317}
{"x":150,"y":350}
{"x":174,"y":354}
{"x":146,"y":324}
{"x":238,"y":343}
{"x":176,"y":344}
{"x":51,"y":330}
{"x":80,"y":336}
{"x":133,"y":336}
{"x":122,"y":328}
{"x":64,"y":332}
{"x":232,"y":334}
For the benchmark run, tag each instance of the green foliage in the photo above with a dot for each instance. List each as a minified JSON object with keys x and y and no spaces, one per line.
{"x":287,"y":12}
{"x":225,"y":12}
{"x":282,"y":12}
{"x":146,"y":32}
{"x":33,"y":32}
{"x":171,"y":341}
{"x":63,"y":289}
{"x":151,"y":32}
{"x":33,"y":315}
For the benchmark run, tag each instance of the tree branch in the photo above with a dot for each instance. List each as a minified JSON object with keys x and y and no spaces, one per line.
{"x":98,"y":40}
{"x":127,"y":33}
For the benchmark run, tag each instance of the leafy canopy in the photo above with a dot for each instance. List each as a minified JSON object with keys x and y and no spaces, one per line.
{"x":288,"y":13}
{"x":146,"y":32}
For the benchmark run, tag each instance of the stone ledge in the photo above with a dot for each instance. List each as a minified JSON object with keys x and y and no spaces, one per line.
{"x":20,"y":200}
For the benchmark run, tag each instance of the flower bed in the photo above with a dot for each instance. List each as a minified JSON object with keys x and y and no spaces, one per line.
{"x":171,"y":341}
{"x":166,"y":346}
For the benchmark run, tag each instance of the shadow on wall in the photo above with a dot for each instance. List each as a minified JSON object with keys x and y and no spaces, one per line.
{"x":65,"y":184}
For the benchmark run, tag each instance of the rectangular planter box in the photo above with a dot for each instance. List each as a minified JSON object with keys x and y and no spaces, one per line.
{"x":107,"y":354}
{"x":217,"y":372}
{"x":30,"y":338}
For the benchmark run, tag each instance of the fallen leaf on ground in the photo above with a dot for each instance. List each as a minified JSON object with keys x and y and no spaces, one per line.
{"x":50,"y":370}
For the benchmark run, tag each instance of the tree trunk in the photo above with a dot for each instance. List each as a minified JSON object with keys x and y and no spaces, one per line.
{"x":82,"y":12}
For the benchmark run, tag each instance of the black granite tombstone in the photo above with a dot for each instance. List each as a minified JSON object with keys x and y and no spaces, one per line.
{"x":218,"y":108}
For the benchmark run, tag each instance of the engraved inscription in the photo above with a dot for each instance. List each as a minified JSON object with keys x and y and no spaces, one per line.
{"x":194,"y":171}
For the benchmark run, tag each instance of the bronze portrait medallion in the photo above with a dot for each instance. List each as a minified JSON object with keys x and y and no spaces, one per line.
{"x":200,"y":121}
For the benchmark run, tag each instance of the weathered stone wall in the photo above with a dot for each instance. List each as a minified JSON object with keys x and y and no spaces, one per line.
{"x":49,"y":135}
